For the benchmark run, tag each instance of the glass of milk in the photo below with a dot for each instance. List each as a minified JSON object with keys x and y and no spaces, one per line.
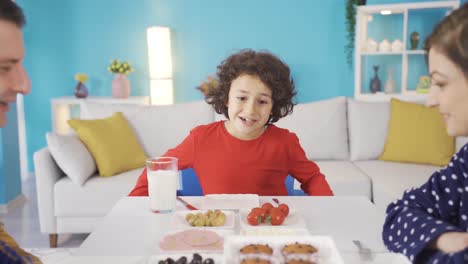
{"x":163,"y":177}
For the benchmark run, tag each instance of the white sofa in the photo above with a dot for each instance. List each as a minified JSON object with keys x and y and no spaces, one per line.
{"x":344,"y":137}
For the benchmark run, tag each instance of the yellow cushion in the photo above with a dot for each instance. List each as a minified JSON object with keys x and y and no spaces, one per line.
{"x":112,"y":143}
{"x":417,"y":134}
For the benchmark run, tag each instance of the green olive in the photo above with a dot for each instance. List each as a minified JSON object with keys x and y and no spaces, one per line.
{"x":216,"y":222}
{"x":199,"y":222}
{"x":188,"y":216}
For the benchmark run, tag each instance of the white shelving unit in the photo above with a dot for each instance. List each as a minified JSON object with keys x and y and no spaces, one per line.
{"x":402,"y":14}
{"x":62,"y":108}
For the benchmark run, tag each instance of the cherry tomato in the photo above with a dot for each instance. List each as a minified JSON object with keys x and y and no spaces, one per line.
{"x":276,"y":216}
{"x":284,"y":208}
{"x":260,"y":212}
{"x":253,"y":218}
{"x":267,"y":207}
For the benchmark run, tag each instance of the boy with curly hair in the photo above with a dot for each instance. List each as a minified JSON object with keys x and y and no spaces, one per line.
{"x":247,"y":153}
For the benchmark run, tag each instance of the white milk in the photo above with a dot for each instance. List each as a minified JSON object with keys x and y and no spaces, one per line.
{"x":162,"y":189}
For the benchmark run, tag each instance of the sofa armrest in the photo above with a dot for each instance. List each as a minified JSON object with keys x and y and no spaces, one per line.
{"x":47,"y":173}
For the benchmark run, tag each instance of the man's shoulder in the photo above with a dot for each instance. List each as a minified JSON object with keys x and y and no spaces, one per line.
{"x":11,"y":252}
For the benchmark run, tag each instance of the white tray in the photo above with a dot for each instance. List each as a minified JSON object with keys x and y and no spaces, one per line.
{"x":274,"y":231}
{"x":179,"y":222}
{"x":230,"y":201}
{"x":327,"y":251}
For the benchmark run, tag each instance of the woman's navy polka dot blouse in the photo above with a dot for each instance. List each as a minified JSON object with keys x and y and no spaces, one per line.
{"x":424,"y":213}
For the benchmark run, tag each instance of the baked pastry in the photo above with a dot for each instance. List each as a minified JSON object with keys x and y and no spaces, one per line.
{"x":256,"y":254}
{"x":298,"y":248}
{"x":299,"y":261}
{"x":256,"y":249}
{"x":255,"y":261}
{"x":299,"y":253}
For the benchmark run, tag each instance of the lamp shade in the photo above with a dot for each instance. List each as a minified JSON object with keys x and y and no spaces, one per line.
{"x":160,"y":65}
{"x":161,"y":91}
{"x":159,"y":52}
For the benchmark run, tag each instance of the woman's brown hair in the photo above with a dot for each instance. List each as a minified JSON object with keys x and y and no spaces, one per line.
{"x":450,"y":37}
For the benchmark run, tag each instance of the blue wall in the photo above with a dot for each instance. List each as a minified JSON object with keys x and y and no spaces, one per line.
{"x":10,"y":177}
{"x":66,"y":37}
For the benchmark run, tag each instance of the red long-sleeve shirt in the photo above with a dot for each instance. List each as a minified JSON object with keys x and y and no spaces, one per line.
{"x":225,"y":164}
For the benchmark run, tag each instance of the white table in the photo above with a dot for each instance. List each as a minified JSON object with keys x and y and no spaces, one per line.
{"x":131,"y":231}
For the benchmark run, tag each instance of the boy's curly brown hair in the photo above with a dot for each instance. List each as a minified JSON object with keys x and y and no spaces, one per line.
{"x":274,"y":73}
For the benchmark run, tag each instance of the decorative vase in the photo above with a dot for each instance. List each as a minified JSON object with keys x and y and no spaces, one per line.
{"x":371,"y":45}
{"x":414,"y":39}
{"x":424,"y":84}
{"x":375,"y":84}
{"x":81,"y":91}
{"x":390,"y":83}
{"x":120,"y":86}
{"x":397,"y":45}
{"x":384,"y":46}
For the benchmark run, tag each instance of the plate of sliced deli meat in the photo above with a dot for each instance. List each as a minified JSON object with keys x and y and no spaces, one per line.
{"x":193,"y":240}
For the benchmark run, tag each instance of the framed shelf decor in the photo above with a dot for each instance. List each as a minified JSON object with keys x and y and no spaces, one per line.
{"x":391,"y":37}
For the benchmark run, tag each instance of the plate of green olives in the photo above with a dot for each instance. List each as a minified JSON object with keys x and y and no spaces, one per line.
{"x":204,"y":219}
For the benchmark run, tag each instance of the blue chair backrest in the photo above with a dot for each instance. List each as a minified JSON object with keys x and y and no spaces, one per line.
{"x":290,"y":187}
{"x":190,"y":186}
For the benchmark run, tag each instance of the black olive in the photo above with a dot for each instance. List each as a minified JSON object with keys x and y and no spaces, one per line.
{"x":208,"y":261}
{"x":196,"y":261}
{"x":197,"y":256}
{"x":162,"y":262}
{"x":170,"y":261}
{"x":181,"y":260}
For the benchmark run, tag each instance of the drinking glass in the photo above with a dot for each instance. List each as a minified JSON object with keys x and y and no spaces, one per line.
{"x":163,"y":178}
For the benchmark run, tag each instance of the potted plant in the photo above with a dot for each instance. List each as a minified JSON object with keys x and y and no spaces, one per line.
{"x":120,"y":83}
{"x":351,"y":27}
{"x":80,"y":90}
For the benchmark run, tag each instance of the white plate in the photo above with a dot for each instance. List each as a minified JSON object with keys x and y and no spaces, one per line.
{"x":217,"y":258}
{"x":327,"y":251}
{"x":230,"y":201}
{"x":180,"y":222}
{"x":294,"y":219}
{"x":273,"y":231}
{"x":192,"y":249}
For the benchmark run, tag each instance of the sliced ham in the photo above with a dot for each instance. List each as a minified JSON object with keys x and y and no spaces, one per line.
{"x":192,"y":240}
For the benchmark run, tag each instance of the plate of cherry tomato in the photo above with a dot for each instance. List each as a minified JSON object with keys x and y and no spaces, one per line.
{"x":270,"y":215}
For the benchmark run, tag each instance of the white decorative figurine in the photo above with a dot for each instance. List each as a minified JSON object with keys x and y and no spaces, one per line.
{"x":384,"y":46}
{"x":397,"y":45}
{"x":371,"y":45}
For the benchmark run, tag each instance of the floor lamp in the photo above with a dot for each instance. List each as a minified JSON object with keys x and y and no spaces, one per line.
{"x":160,"y":65}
